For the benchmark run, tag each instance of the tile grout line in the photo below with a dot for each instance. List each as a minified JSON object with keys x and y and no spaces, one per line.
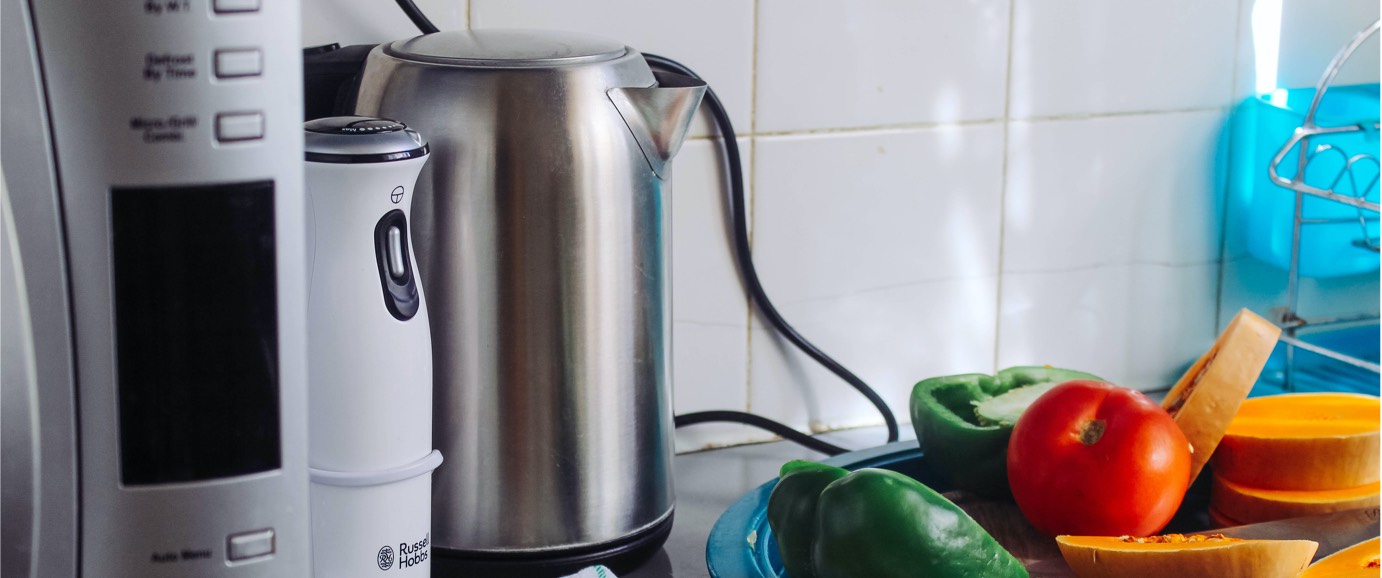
{"x":880,"y":127}
{"x":1003,"y":186}
{"x":858,"y":129}
{"x":968,"y":123}
{"x":748,"y":204}
{"x":1227,"y":179}
{"x":1114,"y":265}
{"x":1119,"y":114}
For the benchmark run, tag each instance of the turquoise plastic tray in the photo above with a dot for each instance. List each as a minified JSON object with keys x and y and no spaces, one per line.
{"x":1263,"y":124}
{"x":1315,"y":372}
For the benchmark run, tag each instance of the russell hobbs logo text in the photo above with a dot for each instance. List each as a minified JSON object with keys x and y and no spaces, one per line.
{"x":409,"y":555}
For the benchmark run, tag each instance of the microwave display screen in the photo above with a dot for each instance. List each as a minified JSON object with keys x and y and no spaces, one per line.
{"x":196,"y":331}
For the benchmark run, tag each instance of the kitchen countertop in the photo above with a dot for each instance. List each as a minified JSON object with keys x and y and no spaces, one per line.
{"x":709,"y":482}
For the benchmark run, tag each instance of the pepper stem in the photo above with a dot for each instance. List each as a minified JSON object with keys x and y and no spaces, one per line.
{"x":1092,"y":432}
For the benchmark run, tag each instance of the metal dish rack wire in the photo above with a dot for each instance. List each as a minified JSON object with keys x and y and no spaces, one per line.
{"x":1288,"y":316}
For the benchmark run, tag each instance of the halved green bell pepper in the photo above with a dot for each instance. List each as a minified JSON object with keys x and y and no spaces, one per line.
{"x":872,"y":523}
{"x":970,"y":452}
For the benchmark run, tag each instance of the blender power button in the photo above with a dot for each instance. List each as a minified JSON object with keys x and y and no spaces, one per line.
{"x":252,"y":544}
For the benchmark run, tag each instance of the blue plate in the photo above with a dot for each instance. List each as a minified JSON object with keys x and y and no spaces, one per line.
{"x":741,"y":544}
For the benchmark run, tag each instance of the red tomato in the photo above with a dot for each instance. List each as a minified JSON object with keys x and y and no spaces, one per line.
{"x":1092,"y":459}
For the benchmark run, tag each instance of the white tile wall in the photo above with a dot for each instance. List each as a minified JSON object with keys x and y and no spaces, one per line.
{"x":705,"y":282}
{"x":1079,"y":57}
{"x":835,"y":215}
{"x":1113,"y":190}
{"x":1111,"y":244}
{"x":372,"y":21}
{"x":826,"y":64}
{"x":881,"y":247}
{"x":890,"y":337}
{"x":945,"y":186}
{"x":710,"y":314}
{"x":1311,"y":33}
{"x":1138,"y":325}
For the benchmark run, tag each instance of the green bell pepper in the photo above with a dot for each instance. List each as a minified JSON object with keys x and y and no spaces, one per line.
{"x":963,"y":446}
{"x":872,"y":523}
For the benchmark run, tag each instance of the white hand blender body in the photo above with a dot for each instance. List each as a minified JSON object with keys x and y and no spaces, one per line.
{"x":369,"y":351}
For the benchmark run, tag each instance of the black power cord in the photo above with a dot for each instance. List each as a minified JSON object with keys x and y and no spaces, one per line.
{"x":744,"y":258}
{"x":759,"y":422}
{"x":419,"y":19}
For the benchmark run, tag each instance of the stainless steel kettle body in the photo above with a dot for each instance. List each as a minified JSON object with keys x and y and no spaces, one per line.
{"x":541,"y":231}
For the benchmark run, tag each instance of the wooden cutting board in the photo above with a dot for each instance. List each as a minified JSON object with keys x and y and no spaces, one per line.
{"x":1006,"y":524}
{"x":1042,"y":557}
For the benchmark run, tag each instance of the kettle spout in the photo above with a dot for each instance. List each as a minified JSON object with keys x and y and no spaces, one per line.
{"x":659,"y":115}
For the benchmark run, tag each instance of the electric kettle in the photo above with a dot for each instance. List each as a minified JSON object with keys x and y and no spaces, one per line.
{"x":540,"y":230}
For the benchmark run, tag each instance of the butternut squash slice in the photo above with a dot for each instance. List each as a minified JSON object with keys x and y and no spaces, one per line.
{"x":1303,"y":441}
{"x":1205,"y":399}
{"x":1357,"y":561}
{"x":1250,"y":505}
{"x":1177,"y":555}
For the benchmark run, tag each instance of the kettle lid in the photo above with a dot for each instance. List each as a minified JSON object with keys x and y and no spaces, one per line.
{"x":504,"y":48}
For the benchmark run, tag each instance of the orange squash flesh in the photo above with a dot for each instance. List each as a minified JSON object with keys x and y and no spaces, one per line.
{"x":1175,"y":555}
{"x":1251,"y":505}
{"x":1303,"y":441}
{"x":1204,"y":400}
{"x":1356,"y":561}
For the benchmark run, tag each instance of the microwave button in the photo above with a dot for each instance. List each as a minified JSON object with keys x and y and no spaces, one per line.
{"x":239,"y":126}
{"x":230,"y":6}
{"x":252,"y":544}
{"x":239,"y":62}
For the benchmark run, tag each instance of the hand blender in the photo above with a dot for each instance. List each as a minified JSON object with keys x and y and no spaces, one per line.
{"x":369,"y":352}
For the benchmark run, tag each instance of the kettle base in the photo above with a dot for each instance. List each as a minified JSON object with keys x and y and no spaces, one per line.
{"x":622,"y":556}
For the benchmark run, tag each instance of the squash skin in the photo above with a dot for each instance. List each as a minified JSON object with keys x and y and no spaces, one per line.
{"x":1351,"y":562}
{"x":1314,"y":464}
{"x":1298,"y":459}
{"x":1250,"y":505}
{"x":1108,"y":557}
{"x":1205,"y":399}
